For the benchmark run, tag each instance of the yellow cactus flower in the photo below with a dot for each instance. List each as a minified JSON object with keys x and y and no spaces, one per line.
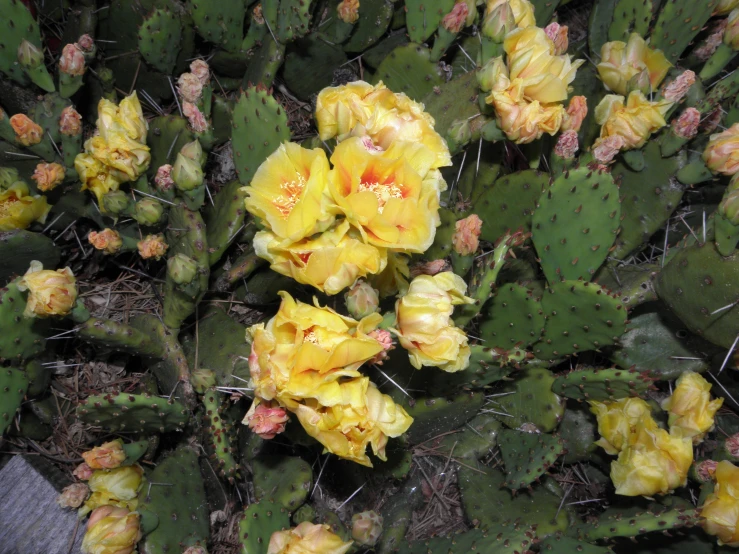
{"x":18,"y":209}
{"x":634,"y":121}
{"x":348,"y":11}
{"x":383,"y":195}
{"x":127,"y":118}
{"x":331,"y":262}
{"x":720,"y":511}
{"x":109,"y":455}
{"x":288,"y":192}
{"x":364,"y":417}
{"x":690,"y":406}
{"x":115,"y":487}
{"x":111,"y":530}
{"x":340,"y":109}
{"x":654,"y":462}
{"x":722,"y":152}
{"x":622,"y":61}
{"x":27,"y":132}
{"x":48,"y":176}
{"x":96,"y":176}
{"x":424,"y":324}
{"x":307,"y":538}
{"x":523,"y":11}
{"x":50,"y":293}
{"x":620,"y":421}
{"x":524,"y":122}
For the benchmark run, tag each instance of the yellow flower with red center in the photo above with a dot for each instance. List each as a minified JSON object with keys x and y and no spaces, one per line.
{"x":523,"y":11}
{"x":424,"y":325}
{"x":288,"y":192}
{"x":622,"y":61}
{"x":307,"y":538}
{"x":633,"y":121}
{"x":27,"y":132}
{"x":18,"y":209}
{"x":48,"y":176}
{"x":50,"y":293}
{"x":722,"y":152}
{"x":690,"y":406}
{"x":720,"y":511}
{"x":620,"y":421}
{"x":111,"y":530}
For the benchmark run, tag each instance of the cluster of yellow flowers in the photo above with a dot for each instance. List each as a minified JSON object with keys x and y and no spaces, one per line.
{"x":650,"y":459}
{"x":118,"y":152}
{"x":328,"y":226}
{"x":306,"y":359}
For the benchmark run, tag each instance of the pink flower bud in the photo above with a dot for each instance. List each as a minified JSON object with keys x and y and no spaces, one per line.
{"x":455,"y":19}
{"x":577,"y":111}
{"x":386,"y":340}
{"x":83,"y":472}
{"x":195,"y":117}
{"x":201,"y":70}
{"x":72,"y":61}
{"x":686,"y":126}
{"x":732,"y":445}
{"x":558,"y":35}
{"x":466,"y":235}
{"x":190,"y":88}
{"x":73,"y":496}
{"x":677,"y":89}
{"x":430,"y":268}
{"x":606,"y":149}
{"x":267,"y":420}
{"x":567,"y":145}
{"x":85,"y":43}
{"x":163,"y":178}
{"x":70,"y":122}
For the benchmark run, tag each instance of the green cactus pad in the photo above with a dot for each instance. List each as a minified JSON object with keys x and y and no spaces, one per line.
{"x":409,"y":69}
{"x":529,"y":401}
{"x":601,"y":17}
{"x":175,"y":494}
{"x":575,"y":223}
{"x":543,"y":10}
{"x":374,"y":19}
{"x":133,"y":412}
{"x":261,"y":519}
{"x":283,"y":480}
{"x":293,"y":19}
{"x":310,"y":64}
{"x":22,"y":337}
{"x":603,"y":385}
{"x":218,"y":431}
{"x":678,"y":24}
{"x":166,"y":137}
{"x":514,"y":318}
{"x":433,"y":416}
{"x":581,"y":316}
{"x":473,"y":441}
{"x":265,"y":62}
{"x":510,"y":539}
{"x":559,"y":544}
{"x":578,"y":432}
{"x":224,"y":220}
{"x":423,"y":18}
{"x":13,"y":386}
{"x":17,"y":25}
{"x":259,"y":127}
{"x":527,"y":456}
{"x":612,"y":524}
{"x":630,"y":16}
{"x":219,"y":22}
{"x":159,"y":40}
{"x":697,"y":282}
{"x":18,"y":248}
{"x":442,"y":246}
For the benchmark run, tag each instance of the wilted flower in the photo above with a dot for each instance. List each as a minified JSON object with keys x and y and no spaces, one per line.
{"x":690,"y":406}
{"x":107,"y":240}
{"x":722,"y":153}
{"x":72,"y":61}
{"x":604,"y":150}
{"x":466,"y":235}
{"x":711,"y":42}
{"x":190,"y":87}
{"x":153,"y":246}
{"x":82,"y":472}
{"x":366,"y":527}
{"x":195,"y":117}
{"x":430,"y":268}
{"x":424,"y":324}
{"x":163,"y":178}
{"x":27,"y":132}
{"x":18,"y":209}
{"x":348,"y":10}
{"x":85,"y":43}
{"x":73,"y":496}
{"x":523,"y":11}
{"x":70,"y":122}
{"x":266,"y":419}
{"x":686,"y":126}
{"x":307,"y":538}
{"x":634,"y":121}
{"x":705,"y":470}
{"x":386,"y":340}
{"x":455,"y":20}
{"x":111,"y":530}
{"x":558,"y":35}
{"x":620,"y":421}
{"x":720,"y":511}
{"x":109,"y":455}
{"x":567,"y":145}
{"x":622,"y":61}
{"x":48,"y":176}
{"x":50,"y":293}
{"x":201,"y":70}
{"x":576,"y":112}
{"x":677,"y":89}
{"x":361,"y":300}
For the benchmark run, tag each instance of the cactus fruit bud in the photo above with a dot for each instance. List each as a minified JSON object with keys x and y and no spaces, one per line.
{"x":498,"y":23}
{"x":686,"y":126}
{"x":488,"y":74}
{"x":85,"y":43}
{"x":558,"y":35}
{"x":111,"y":530}
{"x":361,"y":300}
{"x":83,"y":472}
{"x":567,"y":145}
{"x":73,"y":496}
{"x":731,"y":34}
{"x":26,"y":131}
{"x":182,"y":269}
{"x":456,"y":19}
{"x":195,"y":117}
{"x":109,"y":455}
{"x":466,"y":235}
{"x":50,"y":293}
{"x":729,"y":206}
{"x":202,"y":380}
{"x":677,"y":89}
{"x":460,"y":132}
{"x":153,"y":246}
{"x":29,"y":56}
{"x":722,"y":152}
{"x":348,"y":11}
{"x":386,"y":340}
{"x":48,"y":176}
{"x":430,"y":268}
{"x":116,"y":202}
{"x":190,"y":88}
{"x":72,"y":61}
{"x":148,"y":211}
{"x":266,"y":419}
{"x":107,"y":240}
{"x":201,"y":70}
{"x":366,"y":527}
{"x":193,"y":151}
{"x":639,"y":82}
{"x":577,"y":111}
{"x":606,"y":149}
{"x":70,"y":122}
{"x":163,"y":178}
{"x":187,"y":173}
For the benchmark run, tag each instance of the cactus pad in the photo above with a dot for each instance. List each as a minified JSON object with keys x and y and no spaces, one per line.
{"x":261,"y":519}
{"x":530,"y":401}
{"x":423,"y":17}
{"x":433,"y":416}
{"x":603,"y":385}
{"x":559,"y":544}
{"x":219,"y":434}
{"x":409,"y":69}
{"x":612,"y":524}
{"x":219,"y":22}
{"x":22,"y":337}
{"x":133,"y":412}
{"x":677,"y":25}
{"x":527,"y":456}
{"x":282,"y":480}
{"x":13,"y":385}
{"x":159,"y":40}
{"x":374,"y":19}
{"x":514,"y":318}
{"x":511,"y":539}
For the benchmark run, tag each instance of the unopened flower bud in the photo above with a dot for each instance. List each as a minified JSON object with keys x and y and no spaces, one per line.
{"x":50,"y":293}
{"x":202,"y":380}
{"x":489,"y":73}
{"x":85,"y":43}
{"x":558,"y":35}
{"x":187,"y":173}
{"x":201,"y":70}
{"x":190,"y":88}
{"x":182,"y":269}
{"x":111,"y":530}
{"x":348,"y":11}
{"x":460,"y":132}
{"x":722,"y":152}
{"x":72,"y":61}
{"x":386,"y":341}
{"x":148,"y":211}
{"x":466,"y":235}
{"x":456,"y":19}
{"x":361,"y":300}
{"x":73,"y":496}
{"x":639,"y":82}
{"x":195,"y":117}
{"x":163,"y":178}
{"x":686,"y":126}
{"x":70,"y":122}
{"x":677,"y":89}
{"x":153,"y":246}
{"x":266,"y":419}
{"x":577,"y":111}
{"x":29,"y":56}
{"x":107,"y":240}
{"x":606,"y":149}
{"x":731,"y":34}
{"x":48,"y":176}
{"x":729,"y":208}
{"x":27,"y":132}
{"x":366,"y":527}
{"x":498,"y":23}
{"x":116,"y":202}
{"x":193,"y":151}
{"x":83,"y":472}
{"x":567,"y":145}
